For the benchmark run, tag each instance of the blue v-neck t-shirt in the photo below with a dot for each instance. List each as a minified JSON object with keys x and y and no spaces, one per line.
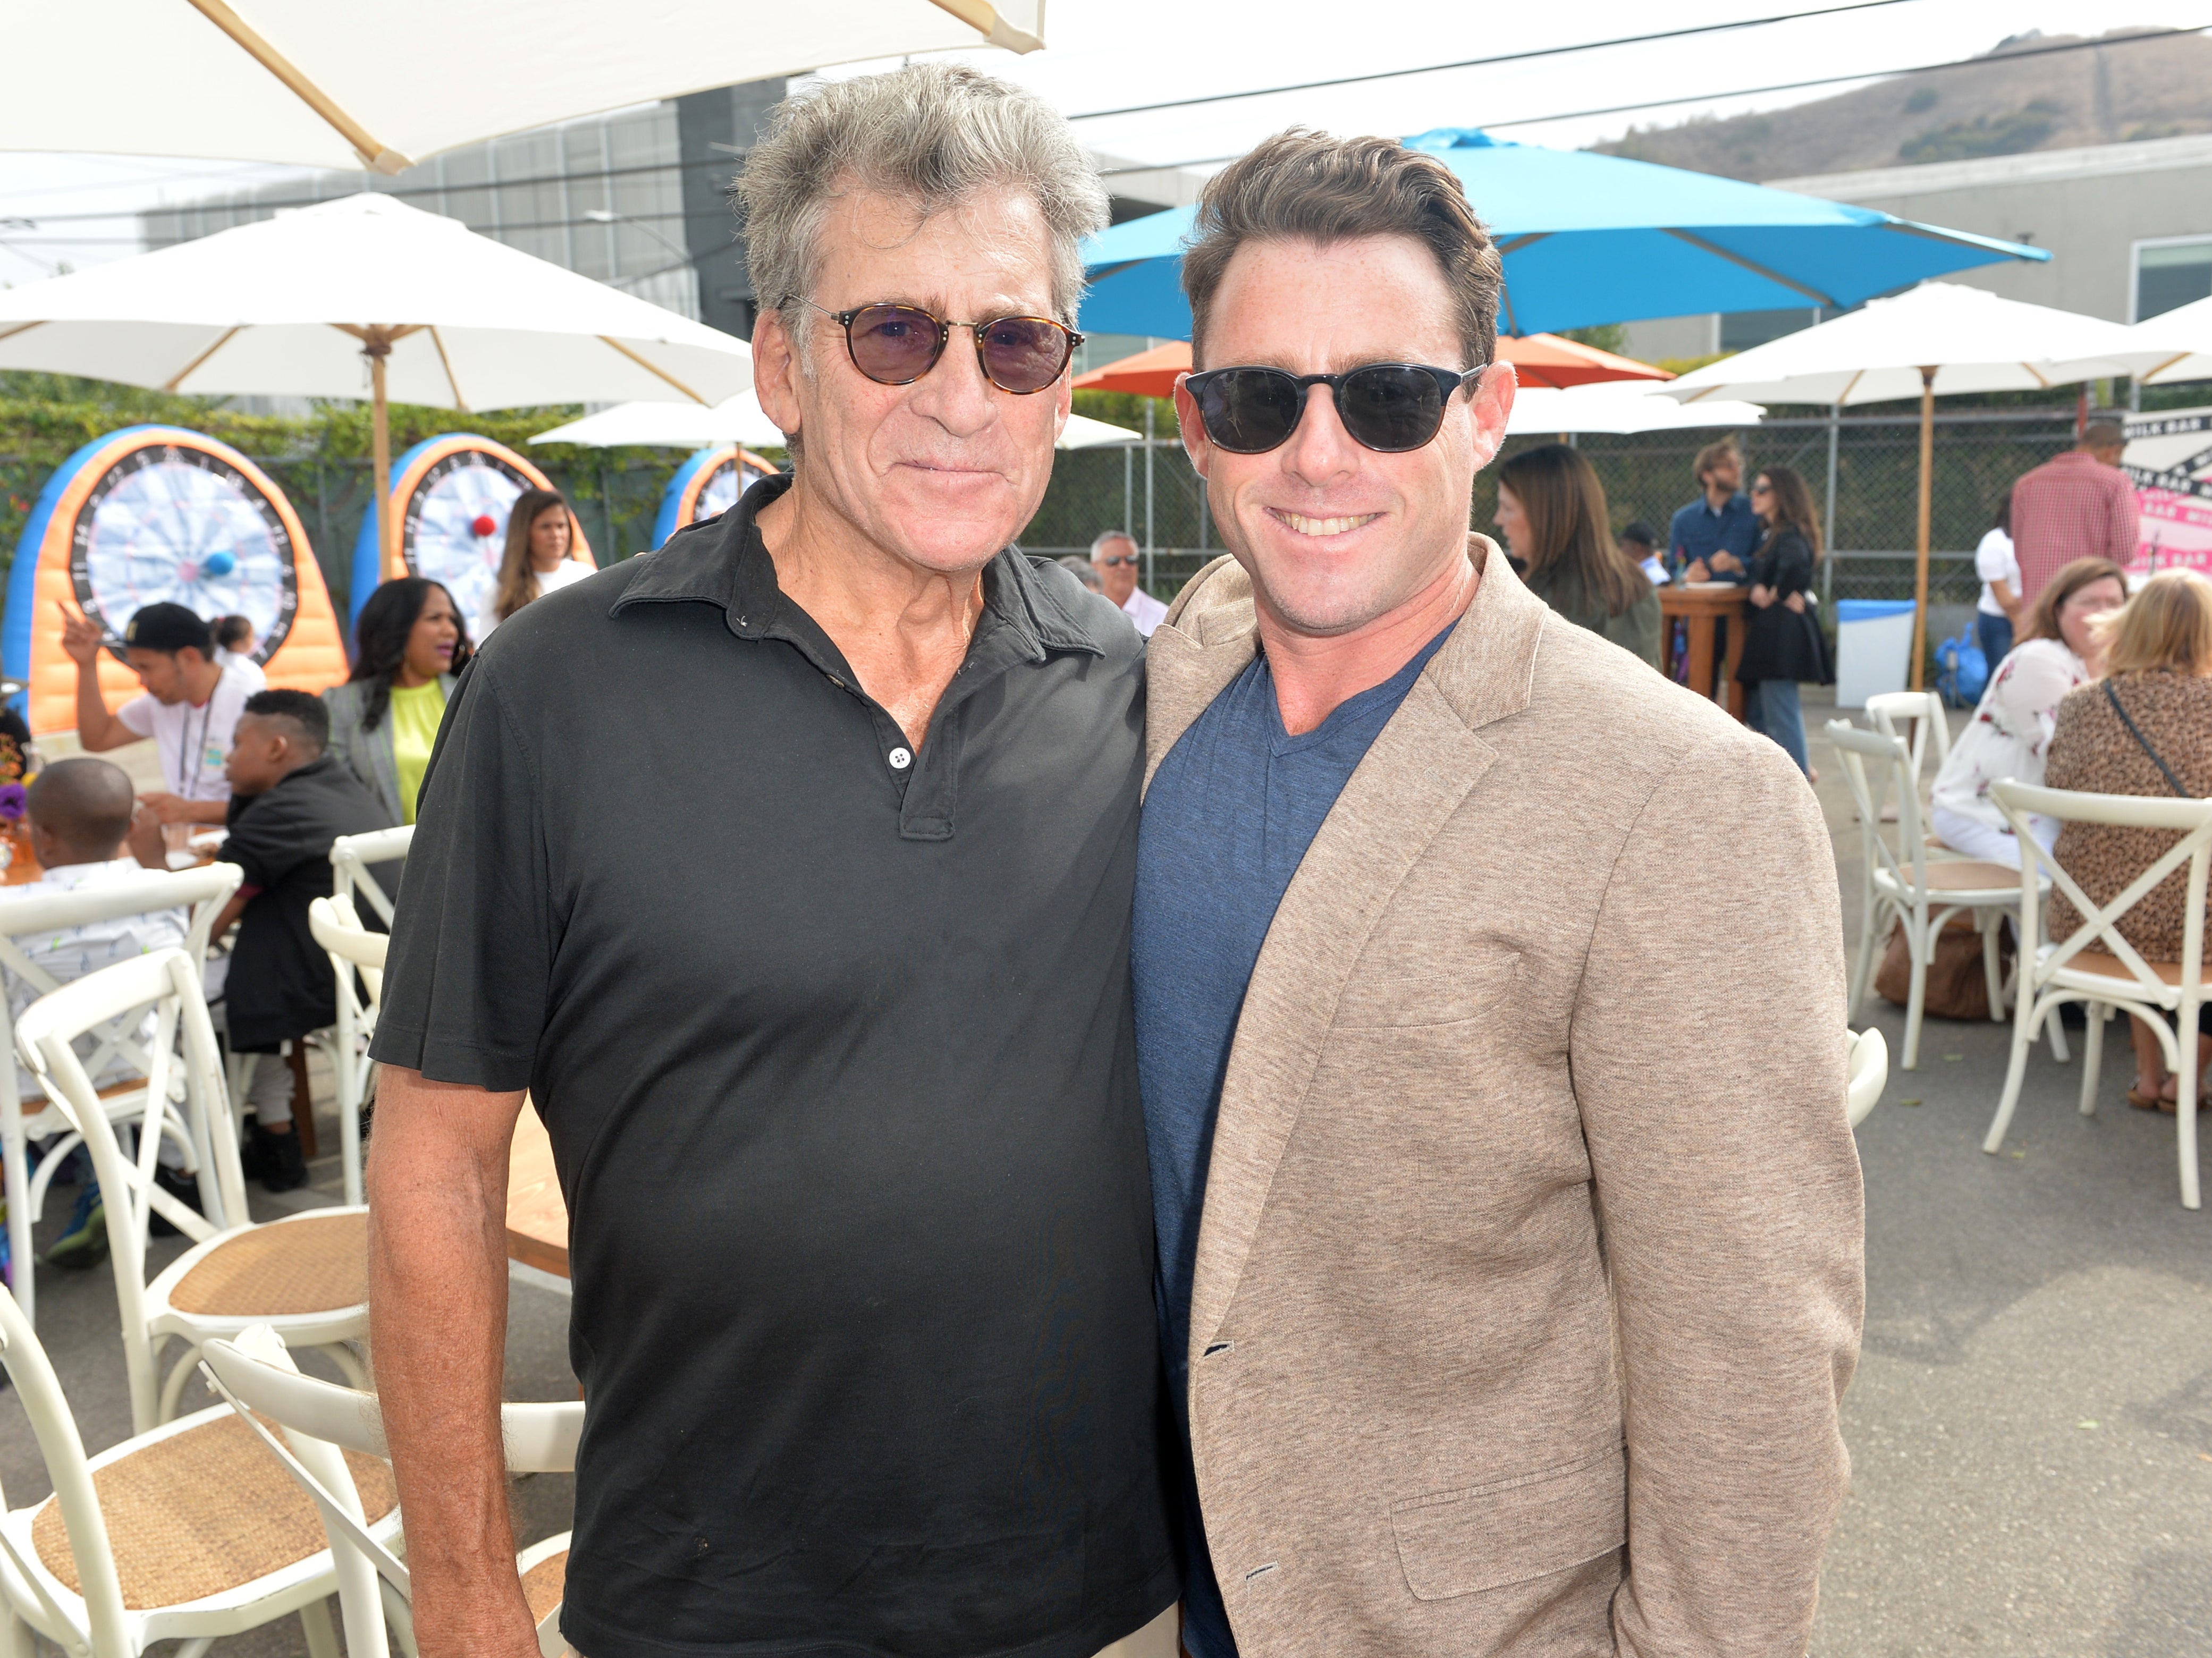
{"x":1226,"y":823}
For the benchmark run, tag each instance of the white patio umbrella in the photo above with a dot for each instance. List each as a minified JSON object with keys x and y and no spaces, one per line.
{"x":671,"y":425}
{"x":365,"y":295}
{"x":739,"y":420}
{"x":1082,"y":432}
{"x":1937,"y":339}
{"x":2174,"y":346}
{"x":1620,"y":406}
{"x":341,"y":86}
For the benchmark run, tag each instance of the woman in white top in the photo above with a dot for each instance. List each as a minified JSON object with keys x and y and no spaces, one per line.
{"x":2010,"y":732}
{"x":539,"y":532}
{"x":1998,"y":613}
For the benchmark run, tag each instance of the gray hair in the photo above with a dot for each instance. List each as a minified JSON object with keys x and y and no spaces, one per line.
{"x":1111,"y":535}
{"x":935,"y":133}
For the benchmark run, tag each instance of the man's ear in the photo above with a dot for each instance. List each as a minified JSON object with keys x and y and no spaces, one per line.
{"x":1492,"y":403}
{"x":776,"y":370}
{"x":1192,"y":427}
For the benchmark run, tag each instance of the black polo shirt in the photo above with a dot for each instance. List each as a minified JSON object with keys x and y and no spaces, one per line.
{"x":833,"y":1041}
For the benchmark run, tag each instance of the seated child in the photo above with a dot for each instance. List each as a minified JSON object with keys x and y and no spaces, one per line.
{"x":80,"y":813}
{"x":289,"y":802}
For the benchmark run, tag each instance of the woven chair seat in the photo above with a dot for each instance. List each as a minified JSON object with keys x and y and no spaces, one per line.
{"x":318,"y":1264}
{"x":545,"y":1583}
{"x":201,"y":1512}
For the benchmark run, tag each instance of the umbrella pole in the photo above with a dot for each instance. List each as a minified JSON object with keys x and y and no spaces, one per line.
{"x":387,"y":529}
{"x":1927,"y":507}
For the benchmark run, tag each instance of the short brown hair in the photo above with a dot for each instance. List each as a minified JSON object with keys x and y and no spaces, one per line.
{"x":1304,"y":186}
{"x":2043,"y":616}
{"x":2167,"y":624}
{"x":1712,"y":455}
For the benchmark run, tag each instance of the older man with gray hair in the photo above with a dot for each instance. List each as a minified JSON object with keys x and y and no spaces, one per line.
{"x":1116,"y":558}
{"x":789,"y":870}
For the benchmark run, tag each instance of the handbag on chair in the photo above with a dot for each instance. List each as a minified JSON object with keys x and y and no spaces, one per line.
{"x":1957,"y":986}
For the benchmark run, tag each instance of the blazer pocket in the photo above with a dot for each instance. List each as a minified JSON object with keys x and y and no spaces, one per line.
{"x":1391,"y":1003}
{"x":1452,"y":1543}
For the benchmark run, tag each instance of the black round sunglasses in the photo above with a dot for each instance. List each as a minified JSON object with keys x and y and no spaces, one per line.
{"x":1390,"y":407}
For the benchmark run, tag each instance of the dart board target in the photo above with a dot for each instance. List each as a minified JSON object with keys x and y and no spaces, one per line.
{"x":155,"y":514}
{"x":707,"y":485}
{"x":452,"y":496}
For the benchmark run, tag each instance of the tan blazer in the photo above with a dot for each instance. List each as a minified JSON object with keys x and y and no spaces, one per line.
{"x":1533,"y":1226}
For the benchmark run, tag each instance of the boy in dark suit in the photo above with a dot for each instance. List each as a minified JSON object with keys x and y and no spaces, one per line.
{"x":289,"y":802}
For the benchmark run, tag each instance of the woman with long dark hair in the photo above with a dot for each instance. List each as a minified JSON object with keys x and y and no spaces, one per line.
{"x":1782,"y":640}
{"x":539,"y":533}
{"x":409,"y":645}
{"x":1998,"y":612}
{"x":1552,"y":509}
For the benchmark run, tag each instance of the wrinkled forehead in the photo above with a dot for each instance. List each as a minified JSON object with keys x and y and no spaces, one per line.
{"x":991,"y":245}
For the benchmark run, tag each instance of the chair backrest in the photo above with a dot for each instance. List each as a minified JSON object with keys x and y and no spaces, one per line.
{"x":2191,"y":823}
{"x":62,"y":1449}
{"x":1869,"y":1073}
{"x":1876,"y":767}
{"x":168,"y":982}
{"x":203,"y":892}
{"x":321,"y":1419}
{"x":352,"y":854}
{"x":1890,"y":709}
{"x":339,"y":929}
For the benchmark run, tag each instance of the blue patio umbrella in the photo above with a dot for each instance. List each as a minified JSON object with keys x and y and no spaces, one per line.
{"x":1591,"y":239}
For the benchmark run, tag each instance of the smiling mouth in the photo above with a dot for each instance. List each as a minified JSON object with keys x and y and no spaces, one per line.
{"x":1300,"y":524}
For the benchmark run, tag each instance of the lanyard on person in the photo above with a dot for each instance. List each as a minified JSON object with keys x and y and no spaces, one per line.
{"x":199,"y":752}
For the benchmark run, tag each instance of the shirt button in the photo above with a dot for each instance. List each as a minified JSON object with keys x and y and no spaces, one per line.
{"x":900,"y":759}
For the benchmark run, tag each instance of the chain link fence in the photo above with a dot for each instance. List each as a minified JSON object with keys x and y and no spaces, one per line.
{"x":1876,"y":474}
{"x":1151,"y":491}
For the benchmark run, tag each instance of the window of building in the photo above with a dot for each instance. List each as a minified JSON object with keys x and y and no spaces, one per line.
{"x":2170,"y":274}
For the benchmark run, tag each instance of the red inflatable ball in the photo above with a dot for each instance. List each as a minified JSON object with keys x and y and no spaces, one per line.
{"x":484,"y":524}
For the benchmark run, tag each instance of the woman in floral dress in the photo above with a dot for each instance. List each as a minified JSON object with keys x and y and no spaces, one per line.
{"x":2010,"y":732}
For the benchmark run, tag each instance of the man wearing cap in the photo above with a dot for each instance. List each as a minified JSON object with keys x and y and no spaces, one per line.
{"x":189,"y":706}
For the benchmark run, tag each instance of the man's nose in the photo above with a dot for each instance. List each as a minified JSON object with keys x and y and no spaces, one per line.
{"x":1321,"y":449}
{"x":954,"y":393}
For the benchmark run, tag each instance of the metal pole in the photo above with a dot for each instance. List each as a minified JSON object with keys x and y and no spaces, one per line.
{"x":1828,"y":530}
{"x":1927,"y":513}
{"x":607,"y":513}
{"x":1128,"y":487}
{"x":1148,"y":495}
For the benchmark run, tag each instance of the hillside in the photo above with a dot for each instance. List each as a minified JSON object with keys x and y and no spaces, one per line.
{"x":2001,"y":105}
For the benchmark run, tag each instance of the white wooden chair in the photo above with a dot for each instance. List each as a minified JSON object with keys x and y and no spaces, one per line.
{"x":351,"y":855}
{"x":1930,"y":730}
{"x":203,"y":893}
{"x":320,"y":1418}
{"x":1921,"y":892}
{"x":1869,"y":1070}
{"x":185,"y":1533}
{"x":353,"y":949}
{"x":306,"y":1275}
{"x":2097,"y":966}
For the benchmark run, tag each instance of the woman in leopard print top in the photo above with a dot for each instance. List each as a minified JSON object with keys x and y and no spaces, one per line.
{"x":2160,"y":654}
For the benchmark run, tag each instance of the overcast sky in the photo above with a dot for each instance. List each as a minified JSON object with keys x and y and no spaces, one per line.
{"x":1108,"y":53}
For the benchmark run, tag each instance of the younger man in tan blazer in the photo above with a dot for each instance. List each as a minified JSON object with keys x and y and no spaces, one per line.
{"x":1509,"y":1278}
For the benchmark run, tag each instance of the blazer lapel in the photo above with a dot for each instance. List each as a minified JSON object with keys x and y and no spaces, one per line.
{"x":1415,"y":776}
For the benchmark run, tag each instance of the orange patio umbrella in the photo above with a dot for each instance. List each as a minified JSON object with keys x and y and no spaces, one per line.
{"x":1538,"y":359}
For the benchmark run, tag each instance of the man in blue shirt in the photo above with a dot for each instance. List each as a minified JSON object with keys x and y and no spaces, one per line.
{"x":1715,"y":536}
{"x":1452,"y":1161}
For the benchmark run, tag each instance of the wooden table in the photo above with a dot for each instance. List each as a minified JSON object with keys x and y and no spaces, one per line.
{"x":1701,"y":606}
{"x":537,"y":1214}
